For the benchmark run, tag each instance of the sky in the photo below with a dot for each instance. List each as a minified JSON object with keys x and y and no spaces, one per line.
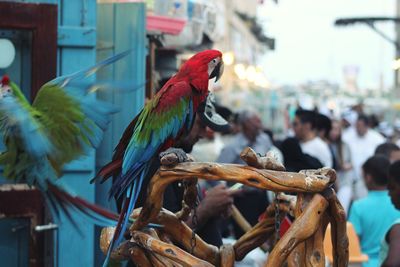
{"x":310,"y":48}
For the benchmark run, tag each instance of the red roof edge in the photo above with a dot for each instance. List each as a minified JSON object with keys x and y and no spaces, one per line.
{"x":164,"y":24}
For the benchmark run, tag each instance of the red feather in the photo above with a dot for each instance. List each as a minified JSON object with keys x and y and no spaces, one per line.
{"x":80,"y":203}
{"x":111,"y":169}
{"x":5,"y":80}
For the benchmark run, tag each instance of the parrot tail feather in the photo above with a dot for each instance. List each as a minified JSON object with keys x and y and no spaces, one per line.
{"x":123,"y":181}
{"x":60,"y":200}
{"x":118,"y":228}
{"x":131,"y":197}
{"x":111,"y":169}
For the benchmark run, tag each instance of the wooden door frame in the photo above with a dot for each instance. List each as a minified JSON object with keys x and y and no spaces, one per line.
{"x":41,"y":19}
{"x":20,"y":201}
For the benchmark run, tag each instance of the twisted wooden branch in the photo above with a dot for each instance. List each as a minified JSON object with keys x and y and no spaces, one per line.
{"x":268,"y":162}
{"x":181,"y":234}
{"x":158,"y":260}
{"x":167,"y":250}
{"x":256,"y":236}
{"x":307,"y":231}
{"x":297,"y":256}
{"x":340,"y":241}
{"x":314,"y":246}
{"x":189,"y":200}
{"x":263,"y":179}
{"x":227,"y":255}
{"x":301,"y":229}
{"x":140,"y":257}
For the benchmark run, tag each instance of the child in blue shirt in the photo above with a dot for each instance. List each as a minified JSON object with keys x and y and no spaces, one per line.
{"x":390,"y":248}
{"x":373,"y":215}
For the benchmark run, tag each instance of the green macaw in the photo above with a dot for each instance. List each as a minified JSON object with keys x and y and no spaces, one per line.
{"x":62,"y":123}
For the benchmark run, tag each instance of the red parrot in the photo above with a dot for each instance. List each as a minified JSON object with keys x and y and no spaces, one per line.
{"x":164,"y":119}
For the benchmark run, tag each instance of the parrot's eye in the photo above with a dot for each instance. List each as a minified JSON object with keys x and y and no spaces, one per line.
{"x":214,"y":60}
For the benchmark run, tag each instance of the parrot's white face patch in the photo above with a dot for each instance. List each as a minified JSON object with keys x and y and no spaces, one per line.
{"x":212,"y":64}
{"x":215,"y":68}
{"x":5,"y":91}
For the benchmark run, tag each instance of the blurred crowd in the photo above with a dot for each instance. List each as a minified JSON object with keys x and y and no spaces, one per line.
{"x":365,"y":157}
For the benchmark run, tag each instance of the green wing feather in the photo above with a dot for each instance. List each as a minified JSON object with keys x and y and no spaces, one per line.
{"x":61,"y":116}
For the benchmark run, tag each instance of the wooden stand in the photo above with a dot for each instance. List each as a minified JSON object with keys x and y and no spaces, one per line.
{"x":302,"y":244}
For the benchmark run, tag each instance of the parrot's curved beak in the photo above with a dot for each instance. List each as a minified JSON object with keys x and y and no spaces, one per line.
{"x":218,"y":70}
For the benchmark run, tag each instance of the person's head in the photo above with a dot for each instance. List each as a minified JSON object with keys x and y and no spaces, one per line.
{"x":304,"y":124}
{"x":335,"y":135}
{"x":323,"y":125}
{"x":394,"y":183}
{"x":389,"y":150}
{"x":251,"y":125}
{"x":349,"y":118}
{"x":294,"y":158}
{"x":375,"y":172}
{"x":229,"y":116}
{"x":373,"y":121}
{"x":362,"y":125}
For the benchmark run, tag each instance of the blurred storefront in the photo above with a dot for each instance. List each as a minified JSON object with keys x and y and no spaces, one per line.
{"x":233,"y":28}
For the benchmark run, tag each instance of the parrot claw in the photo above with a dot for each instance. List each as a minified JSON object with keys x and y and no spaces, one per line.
{"x":173,"y":156}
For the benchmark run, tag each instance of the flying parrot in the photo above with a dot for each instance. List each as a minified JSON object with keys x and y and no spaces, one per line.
{"x":164,"y":119}
{"x":62,"y":123}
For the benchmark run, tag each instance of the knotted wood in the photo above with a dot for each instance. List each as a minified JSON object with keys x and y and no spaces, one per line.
{"x":268,"y":162}
{"x":301,"y":229}
{"x":121,"y":252}
{"x":257,"y":235}
{"x":167,"y":250}
{"x":314,"y":246}
{"x":227,"y":255}
{"x":263,"y":179}
{"x":140,"y":257}
{"x":304,"y":238}
{"x":189,"y":200}
{"x":297,"y":256}
{"x":158,"y":260}
{"x":179,"y":233}
{"x":340,"y":241}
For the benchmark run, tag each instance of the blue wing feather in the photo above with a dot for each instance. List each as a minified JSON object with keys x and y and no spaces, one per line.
{"x":16,"y":117}
{"x":64,"y":80}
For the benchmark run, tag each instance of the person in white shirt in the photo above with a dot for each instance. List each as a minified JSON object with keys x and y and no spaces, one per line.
{"x":362,"y":142}
{"x":311,"y":144}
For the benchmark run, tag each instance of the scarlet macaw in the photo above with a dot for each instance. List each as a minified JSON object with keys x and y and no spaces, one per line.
{"x":164,"y":119}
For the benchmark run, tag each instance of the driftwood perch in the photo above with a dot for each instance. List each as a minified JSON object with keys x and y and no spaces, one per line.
{"x":268,"y":162}
{"x":316,"y":205}
{"x":262,"y":179}
{"x":340,"y":241}
{"x":256,"y":236}
{"x":302,"y":228}
{"x":181,"y":234}
{"x":167,"y":250}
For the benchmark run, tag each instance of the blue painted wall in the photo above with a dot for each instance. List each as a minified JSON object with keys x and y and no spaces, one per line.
{"x":77,"y":50}
{"x":120,"y":27}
